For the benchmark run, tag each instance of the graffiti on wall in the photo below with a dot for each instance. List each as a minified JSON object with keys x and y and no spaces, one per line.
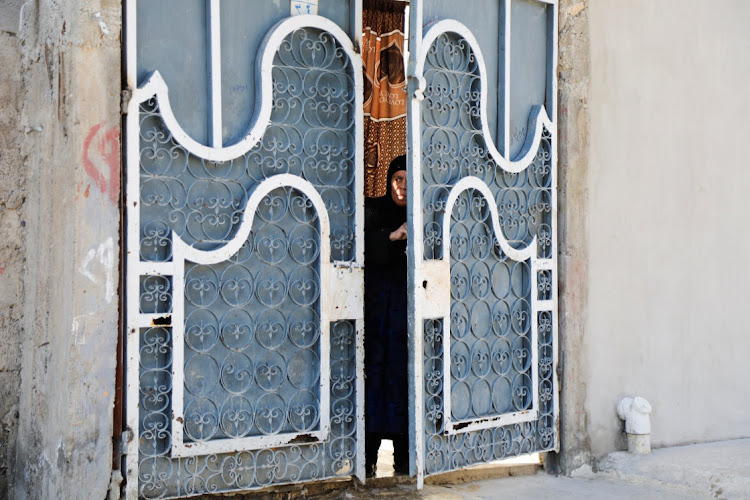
{"x":101,"y":159}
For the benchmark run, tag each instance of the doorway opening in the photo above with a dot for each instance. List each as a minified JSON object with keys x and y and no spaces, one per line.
{"x":384,"y":53}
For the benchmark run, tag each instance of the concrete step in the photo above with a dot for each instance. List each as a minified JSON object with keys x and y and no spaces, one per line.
{"x":714,"y":470}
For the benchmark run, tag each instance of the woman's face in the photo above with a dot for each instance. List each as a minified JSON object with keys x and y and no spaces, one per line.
{"x":398,"y":188}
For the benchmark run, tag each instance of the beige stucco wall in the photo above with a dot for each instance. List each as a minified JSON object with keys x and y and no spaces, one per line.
{"x":668,"y":218}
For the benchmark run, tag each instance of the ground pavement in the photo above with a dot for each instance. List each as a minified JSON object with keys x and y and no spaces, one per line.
{"x":712,"y":470}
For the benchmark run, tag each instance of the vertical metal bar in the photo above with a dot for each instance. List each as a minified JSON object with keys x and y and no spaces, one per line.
{"x":214,"y":69}
{"x":506,"y":83}
{"x":552,"y":65}
{"x":533,"y":329}
{"x":131,"y":295}
{"x":359,"y":359}
{"x":119,"y":396}
{"x":359,"y":222}
{"x":414,"y":250}
{"x":552,"y":113}
{"x":359,"y":159}
{"x":178,"y":343}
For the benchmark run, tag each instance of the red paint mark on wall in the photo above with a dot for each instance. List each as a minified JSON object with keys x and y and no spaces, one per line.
{"x":85,"y":192}
{"x":2,"y":269}
{"x":101,"y":159}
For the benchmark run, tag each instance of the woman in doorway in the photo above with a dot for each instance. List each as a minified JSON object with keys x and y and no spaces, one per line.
{"x":386,"y":390}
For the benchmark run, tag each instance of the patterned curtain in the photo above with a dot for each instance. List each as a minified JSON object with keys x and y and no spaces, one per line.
{"x":385,"y":90}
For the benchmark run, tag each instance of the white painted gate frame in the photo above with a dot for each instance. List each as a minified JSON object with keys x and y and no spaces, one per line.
{"x":429,"y":281}
{"x":341,"y":296}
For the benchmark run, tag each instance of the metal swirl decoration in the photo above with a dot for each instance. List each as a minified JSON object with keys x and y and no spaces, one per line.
{"x":161,"y":476}
{"x":490,"y":335}
{"x":252,"y":353}
{"x":311,"y":134}
{"x":253,"y":349}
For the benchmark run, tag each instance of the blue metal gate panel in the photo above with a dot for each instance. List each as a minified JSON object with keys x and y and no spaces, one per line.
{"x":240,"y":374}
{"x":484,"y":221}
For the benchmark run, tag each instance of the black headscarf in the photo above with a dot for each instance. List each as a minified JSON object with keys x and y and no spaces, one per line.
{"x":382,"y":216}
{"x":398,"y":163}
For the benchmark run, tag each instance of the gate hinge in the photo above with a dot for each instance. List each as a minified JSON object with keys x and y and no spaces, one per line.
{"x":125,"y":97}
{"x":125,"y":438}
{"x":417,"y":84}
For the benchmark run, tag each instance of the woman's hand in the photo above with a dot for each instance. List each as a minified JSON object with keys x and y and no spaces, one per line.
{"x":398,"y":234}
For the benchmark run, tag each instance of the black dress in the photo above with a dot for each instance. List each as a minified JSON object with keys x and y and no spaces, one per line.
{"x":386,"y":387}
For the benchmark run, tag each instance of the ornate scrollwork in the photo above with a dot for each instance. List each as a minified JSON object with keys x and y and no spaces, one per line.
{"x":491,"y":349}
{"x":310,"y":134}
{"x":262,"y":296}
{"x":252,"y":329}
{"x":156,"y":294}
{"x":161,"y":476}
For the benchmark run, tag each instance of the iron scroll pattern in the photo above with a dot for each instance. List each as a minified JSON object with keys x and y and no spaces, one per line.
{"x":252,"y":329}
{"x":492,"y":304}
{"x":252,"y":332}
{"x":160,"y":476}
{"x":311,"y":134}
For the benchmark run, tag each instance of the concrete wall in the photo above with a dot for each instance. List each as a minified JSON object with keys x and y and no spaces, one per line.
{"x":667,"y":219}
{"x":573,"y":199}
{"x":59,"y":243}
{"x":12,"y":232}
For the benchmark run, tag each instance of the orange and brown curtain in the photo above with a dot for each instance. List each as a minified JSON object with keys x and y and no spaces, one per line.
{"x":385,"y":90}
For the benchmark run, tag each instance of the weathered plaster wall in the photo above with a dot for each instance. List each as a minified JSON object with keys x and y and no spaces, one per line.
{"x":12,"y":232}
{"x":667,"y":218}
{"x":573,"y":199}
{"x":67,"y":166}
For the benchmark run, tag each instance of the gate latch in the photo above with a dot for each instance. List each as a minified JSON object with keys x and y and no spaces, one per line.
{"x":342,"y":265}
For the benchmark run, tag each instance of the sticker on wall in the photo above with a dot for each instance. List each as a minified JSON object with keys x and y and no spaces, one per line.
{"x":304,"y":7}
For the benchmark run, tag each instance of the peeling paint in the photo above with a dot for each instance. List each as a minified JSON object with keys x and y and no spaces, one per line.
{"x":162,"y":321}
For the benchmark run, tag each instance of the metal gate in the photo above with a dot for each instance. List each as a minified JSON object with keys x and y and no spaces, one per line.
{"x":483,"y":257}
{"x":245,"y":240}
{"x":244,"y":261}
